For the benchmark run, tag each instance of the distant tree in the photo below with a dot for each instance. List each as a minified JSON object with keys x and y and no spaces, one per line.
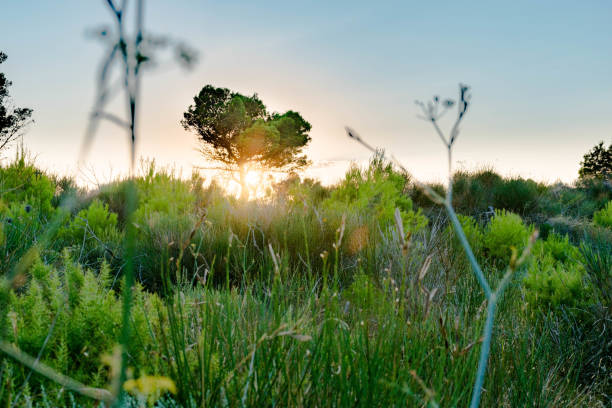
{"x":238,"y":133}
{"x":597,"y":162}
{"x":12,"y":120}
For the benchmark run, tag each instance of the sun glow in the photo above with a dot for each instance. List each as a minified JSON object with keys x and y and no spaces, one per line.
{"x":258,"y":182}
{"x":254,"y":177}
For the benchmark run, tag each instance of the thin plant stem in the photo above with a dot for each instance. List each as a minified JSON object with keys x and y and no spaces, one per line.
{"x":46,"y":371}
{"x":432,"y":114}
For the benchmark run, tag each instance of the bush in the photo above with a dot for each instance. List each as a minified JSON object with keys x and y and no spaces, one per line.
{"x":596,"y":257}
{"x":297,"y":191}
{"x":420,"y":199}
{"x":564,"y":200}
{"x":556,"y":277}
{"x":84,"y":314}
{"x":375,"y":193}
{"x":22,"y":183}
{"x":559,"y":247}
{"x":165,"y":217}
{"x":21,"y":225}
{"x":603,"y":217}
{"x":473,"y":192}
{"x":505,"y":231}
{"x":552,"y":283}
{"x":365,"y":298}
{"x":516,"y":195}
{"x":93,"y":230}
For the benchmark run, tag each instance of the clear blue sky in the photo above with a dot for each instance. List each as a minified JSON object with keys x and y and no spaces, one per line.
{"x":541,"y":74}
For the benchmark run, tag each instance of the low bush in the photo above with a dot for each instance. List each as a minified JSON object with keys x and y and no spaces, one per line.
{"x":551,"y":283}
{"x":21,"y":183}
{"x":375,"y":193}
{"x":298,"y":191}
{"x":93,"y":232}
{"x":71,"y":318}
{"x":21,"y":225}
{"x":505,"y":231}
{"x":603,"y":217}
{"x":473,"y":191}
{"x":517,"y":195}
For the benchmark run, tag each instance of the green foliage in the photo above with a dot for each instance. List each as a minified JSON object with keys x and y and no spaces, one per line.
{"x":12,"y":120}
{"x":475,"y":235}
{"x":376,"y":192}
{"x":556,"y":275}
{"x":21,"y":226}
{"x":365,"y":298}
{"x":516,"y":195}
{"x":93,"y":231}
{"x":165,"y":217}
{"x":597,"y":162}
{"x":299,"y":192}
{"x":596,"y":326}
{"x":23,"y":184}
{"x":579,"y":201}
{"x":603,"y":217}
{"x":359,"y":340}
{"x":559,"y":247}
{"x":473,"y":192}
{"x":553,"y":283}
{"x":505,"y":231}
{"x":75,"y":318}
{"x":237,"y":131}
{"x":596,"y":257}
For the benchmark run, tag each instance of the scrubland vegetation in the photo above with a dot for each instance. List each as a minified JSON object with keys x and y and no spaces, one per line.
{"x":159,"y":291}
{"x":307,"y":297}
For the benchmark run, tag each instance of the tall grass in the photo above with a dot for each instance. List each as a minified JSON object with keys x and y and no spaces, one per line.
{"x":314,"y":297}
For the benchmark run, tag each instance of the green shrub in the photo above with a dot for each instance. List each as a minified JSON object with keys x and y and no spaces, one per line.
{"x":473,"y":191}
{"x":298,"y":191}
{"x":516,"y":195}
{"x":422,"y":200}
{"x":505,"y":231}
{"x":85,"y":314}
{"x":22,"y":183}
{"x":93,"y":231}
{"x":596,"y":257}
{"x":376,"y":192}
{"x":114,"y":195}
{"x":365,"y":298}
{"x":21,"y":227}
{"x":603,"y":217}
{"x":552,"y":283}
{"x":557,"y":246}
{"x":556,"y":275}
{"x":165,"y":217}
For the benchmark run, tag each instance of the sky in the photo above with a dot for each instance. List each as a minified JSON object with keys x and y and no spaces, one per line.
{"x":540,"y":74}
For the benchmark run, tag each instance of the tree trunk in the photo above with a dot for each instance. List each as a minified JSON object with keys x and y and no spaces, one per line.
{"x":244,"y":187}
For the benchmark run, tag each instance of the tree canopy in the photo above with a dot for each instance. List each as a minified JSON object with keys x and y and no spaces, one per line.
{"x":237,"y":132}
{"x":12,"y":120}
{"x":597,"y":162}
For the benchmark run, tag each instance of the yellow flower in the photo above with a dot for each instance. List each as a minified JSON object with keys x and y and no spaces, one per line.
{"x":149,"y":386}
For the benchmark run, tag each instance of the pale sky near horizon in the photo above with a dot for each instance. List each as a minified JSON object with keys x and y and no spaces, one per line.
{"x":540,"y":73}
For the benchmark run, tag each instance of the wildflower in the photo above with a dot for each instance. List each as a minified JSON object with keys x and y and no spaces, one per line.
{"x":150,"y":387}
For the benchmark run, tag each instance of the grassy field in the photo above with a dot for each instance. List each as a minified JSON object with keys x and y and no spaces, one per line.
{"x":357,"y":294}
